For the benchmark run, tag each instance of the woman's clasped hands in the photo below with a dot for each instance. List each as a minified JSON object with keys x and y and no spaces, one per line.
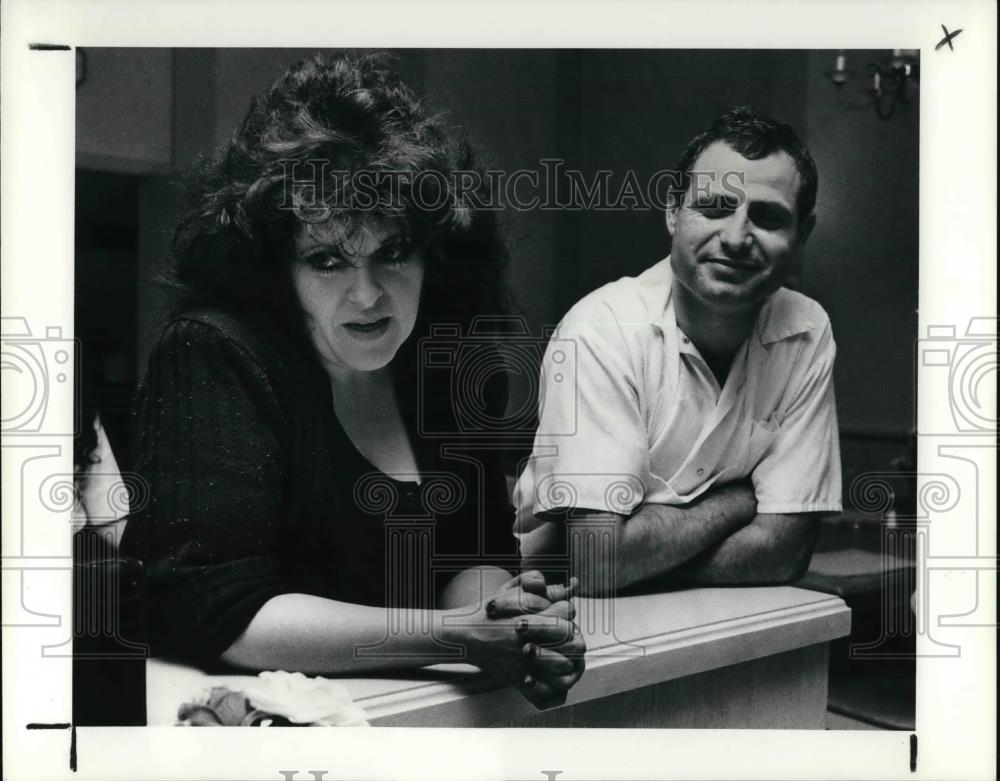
{"x":526,"y":634}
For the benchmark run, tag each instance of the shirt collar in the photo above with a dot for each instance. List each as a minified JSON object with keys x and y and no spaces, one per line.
{"x":779,"y":318}
{"x":782,"y":318}
{"x":655,"y":286}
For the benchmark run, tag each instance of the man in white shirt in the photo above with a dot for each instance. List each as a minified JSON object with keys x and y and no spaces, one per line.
{"x":696,"y":441}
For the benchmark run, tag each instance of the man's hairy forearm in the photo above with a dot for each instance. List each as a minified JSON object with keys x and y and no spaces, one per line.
{"x":656,"y":540}
{"x":772,"y":549}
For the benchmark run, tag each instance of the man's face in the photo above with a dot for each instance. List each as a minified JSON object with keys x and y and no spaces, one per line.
{"x":730,"y":251}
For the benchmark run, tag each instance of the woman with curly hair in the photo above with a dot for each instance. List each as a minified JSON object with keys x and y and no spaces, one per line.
{"x":298,"y":518}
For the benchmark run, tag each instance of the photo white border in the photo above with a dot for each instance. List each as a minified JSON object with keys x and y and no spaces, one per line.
{"x":956,"y":707}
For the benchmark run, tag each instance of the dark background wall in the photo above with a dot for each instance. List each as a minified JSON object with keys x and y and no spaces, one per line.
{"x":143,"y":115}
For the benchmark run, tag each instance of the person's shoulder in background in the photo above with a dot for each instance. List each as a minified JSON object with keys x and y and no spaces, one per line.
{"x":102,"y":497}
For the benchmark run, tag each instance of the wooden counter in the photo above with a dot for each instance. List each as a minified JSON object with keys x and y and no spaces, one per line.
{"x":711,"y":657}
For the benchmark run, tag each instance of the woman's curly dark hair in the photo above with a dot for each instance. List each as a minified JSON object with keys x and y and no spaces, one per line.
{"x":294,"y":160}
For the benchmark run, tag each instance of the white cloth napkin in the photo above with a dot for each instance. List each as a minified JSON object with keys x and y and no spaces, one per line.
{"x":303,"y":700}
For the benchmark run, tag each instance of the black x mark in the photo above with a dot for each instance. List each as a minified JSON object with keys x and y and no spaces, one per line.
{"x":947,"y":38}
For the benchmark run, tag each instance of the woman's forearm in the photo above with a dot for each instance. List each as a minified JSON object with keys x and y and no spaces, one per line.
{"x":473,"y":586}
{"x":310,"y":634}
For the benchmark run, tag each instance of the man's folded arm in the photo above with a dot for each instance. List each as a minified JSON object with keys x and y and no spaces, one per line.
{"x":720,"y":539}
{"x":654,"y":540}
{"x":770,"y":550}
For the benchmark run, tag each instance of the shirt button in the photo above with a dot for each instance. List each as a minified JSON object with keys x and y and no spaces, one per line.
{"x":411,"y":496}
{"x":685,"y":340}
{"x":701,"y":472}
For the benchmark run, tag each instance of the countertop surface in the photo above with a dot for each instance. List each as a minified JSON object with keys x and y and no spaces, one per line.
{"x":632,"y":642}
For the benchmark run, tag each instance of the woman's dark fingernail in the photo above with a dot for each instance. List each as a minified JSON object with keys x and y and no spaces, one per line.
{"x":531,"y":650}
{"x":529,"y":681}
{"x":522,"y":626}
{"x":491,"y":607}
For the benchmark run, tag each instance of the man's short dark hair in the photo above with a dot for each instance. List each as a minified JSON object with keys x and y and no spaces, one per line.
{"x":754,"y":136}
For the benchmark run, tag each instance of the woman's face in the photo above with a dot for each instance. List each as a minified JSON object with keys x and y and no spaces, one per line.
{"x":360,"y":290}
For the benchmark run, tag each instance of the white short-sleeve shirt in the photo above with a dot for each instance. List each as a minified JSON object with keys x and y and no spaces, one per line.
{"x":637,"y":416}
